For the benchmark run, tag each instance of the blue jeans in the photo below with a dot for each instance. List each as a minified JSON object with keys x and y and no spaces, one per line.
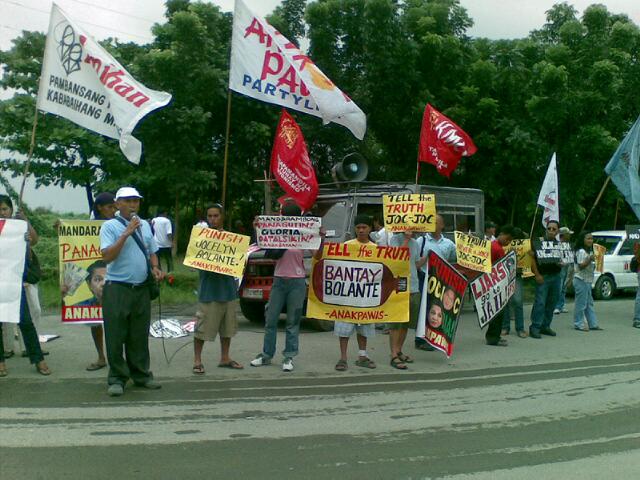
{"x":636,"y":311}
{"x":544,"y":303}
{"x":583,"y":307}
{"x":562,"y":290}
{"x":290,"y":292}
{"x":515,"y":307}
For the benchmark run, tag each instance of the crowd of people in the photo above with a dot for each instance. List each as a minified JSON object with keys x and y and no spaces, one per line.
{"x":122,"y":283}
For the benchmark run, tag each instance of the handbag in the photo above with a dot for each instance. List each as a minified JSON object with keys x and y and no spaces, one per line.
{"x":33,"y":273}
{"x":150,"y":282}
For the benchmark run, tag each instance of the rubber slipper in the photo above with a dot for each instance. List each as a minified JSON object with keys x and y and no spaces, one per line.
{"x":341,"y":366}
{"x":3,"y":371}
{"x":96,"y":366}
{"x":396,"y":362}
{"x":43,"y":370}
{"x":366,"y":363}
{"x":405,"y":358}
{"x":232,"y":364}
{"x":198,"y":369}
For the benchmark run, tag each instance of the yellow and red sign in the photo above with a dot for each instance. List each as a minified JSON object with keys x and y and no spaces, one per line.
{"x":404,"y":212}
{"x":473,"y":253}
{"x":217,"y":251}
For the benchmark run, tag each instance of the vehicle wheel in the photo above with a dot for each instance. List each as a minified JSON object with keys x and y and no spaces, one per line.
{"x":253,"y":311}
{"x":605,"y":287}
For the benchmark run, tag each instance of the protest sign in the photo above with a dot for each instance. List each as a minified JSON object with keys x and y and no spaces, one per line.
{"x":217,"y":251}
{"x":522,"y":247}
{"x":281,"y":232}
{"x":492,"y":291}
{"x":415,"y":212}
{"x":551,"y":252}
{"x":360,"y":283}
{"x":82,"y":270}
{"x":441,"y":304}
{"x":13,"y":248}
{"x":599,"y":252}
{"x":473,"y":253}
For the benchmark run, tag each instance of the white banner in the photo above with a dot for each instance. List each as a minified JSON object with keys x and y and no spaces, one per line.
{"x":548,"y":197}
{"x":268,"y":67}
{"x":82,"y":82}
{"x":288,"y":232}
{"x":13,"y":247}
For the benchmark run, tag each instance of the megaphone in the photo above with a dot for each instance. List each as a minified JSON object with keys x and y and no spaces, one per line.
{"x":352,"y":168}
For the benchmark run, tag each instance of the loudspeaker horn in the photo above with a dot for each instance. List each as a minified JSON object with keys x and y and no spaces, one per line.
{"x":352,"y":168}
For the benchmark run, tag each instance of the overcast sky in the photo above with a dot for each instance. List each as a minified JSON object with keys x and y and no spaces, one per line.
{"x":131,"y":20}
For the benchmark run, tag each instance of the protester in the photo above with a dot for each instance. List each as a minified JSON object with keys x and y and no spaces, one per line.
{"x":515,"y":306}
{"x":398,"y":331}
{"x":444,"y":247}
{"x":490,"y":231}
{"x":289,"y":288}
{"x":492,"y":336}
{"x":126,"y":305}
{"x":163,"y":234}
{"x":27,"y":328}
{"x":344,"y":330}
{"x":379,"y":234}
{"x":217,"y":308}
{"x":547,"y":275}
{"x":566,"y":274}
{"x":584,"y":268}
{"x":104,"y":208}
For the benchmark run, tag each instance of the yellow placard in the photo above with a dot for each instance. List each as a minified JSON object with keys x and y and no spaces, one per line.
{"x":522,"y":247}
{"x":473,"y":253}
{"x":415,"y":212}
{"x":217,"y":251}
{"x":598,"y":252}
{"x":360,"y":283}
{"x":82,"y":271}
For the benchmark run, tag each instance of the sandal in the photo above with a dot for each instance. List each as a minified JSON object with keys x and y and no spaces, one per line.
{"x":198,"y":369}
{"x":342,"y":365}
{"x":522,"y":334}
{"x":405,"y":358}
{"x":9,"y":354}
{"x":3,"y":371}
{"x":96,"y":366}
{"x":232,"y":364}
{"x":396,"y":362}
{"x":366,"y":362}
{"x":42,"y":368}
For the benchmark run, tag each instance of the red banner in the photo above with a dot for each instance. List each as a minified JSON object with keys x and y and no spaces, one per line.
{"x":442,"y":142}
{"x":291,"y":165}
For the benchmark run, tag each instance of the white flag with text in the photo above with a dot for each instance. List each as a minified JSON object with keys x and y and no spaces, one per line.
{"x":82,"y":82}
{"x":548,"y":197}
{"x":268,"y":67}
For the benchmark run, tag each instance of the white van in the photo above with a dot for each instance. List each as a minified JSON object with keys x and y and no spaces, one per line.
{"x":616,"y":275}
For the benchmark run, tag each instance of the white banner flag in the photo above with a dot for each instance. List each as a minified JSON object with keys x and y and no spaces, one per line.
{"x":268,"y":67}
{"x":13,"y":247}
{"x":82,"y":82}
{"x":548,"y":197}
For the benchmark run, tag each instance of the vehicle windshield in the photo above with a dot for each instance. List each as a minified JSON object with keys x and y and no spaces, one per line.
{"x":607,"y":241}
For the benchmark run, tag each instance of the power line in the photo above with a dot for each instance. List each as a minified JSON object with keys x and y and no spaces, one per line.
{"x":114,"y":11}
{"x":146,"y":38}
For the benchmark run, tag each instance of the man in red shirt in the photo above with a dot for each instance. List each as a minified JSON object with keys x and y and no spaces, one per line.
{"x":504,"y":238}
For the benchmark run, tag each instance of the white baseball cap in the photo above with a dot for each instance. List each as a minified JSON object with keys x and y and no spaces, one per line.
{"x":127,"y":192}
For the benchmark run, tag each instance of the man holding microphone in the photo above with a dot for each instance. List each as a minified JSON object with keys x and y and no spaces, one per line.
{"x":129,"y":249}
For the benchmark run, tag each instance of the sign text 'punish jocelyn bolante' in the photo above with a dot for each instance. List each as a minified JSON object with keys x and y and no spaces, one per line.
{"x":360,"y":283}
{"x":217,"y":251}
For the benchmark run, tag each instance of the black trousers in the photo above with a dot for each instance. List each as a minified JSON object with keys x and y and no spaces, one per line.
{"x":127,"y":313}
{"x":29,"y":333}
{"x":494,"y":328}
{"x":165,"y":253}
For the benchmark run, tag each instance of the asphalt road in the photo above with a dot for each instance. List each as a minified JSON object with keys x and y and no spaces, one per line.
{"x":557,"y":408}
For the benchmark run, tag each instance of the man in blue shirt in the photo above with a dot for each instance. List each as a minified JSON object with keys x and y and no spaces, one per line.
{"x":126,"y":304}
{"x":217,"y":310}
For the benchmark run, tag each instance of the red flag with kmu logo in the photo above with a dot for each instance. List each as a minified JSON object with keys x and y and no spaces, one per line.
{"x":442,"y":142}
{"x":290,"y":163}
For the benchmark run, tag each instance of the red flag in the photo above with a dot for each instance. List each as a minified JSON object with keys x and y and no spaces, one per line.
{"x":442,"y":142}
{"x":291,"y":165}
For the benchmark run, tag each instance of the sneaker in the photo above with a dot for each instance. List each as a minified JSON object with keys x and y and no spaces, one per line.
{"x":564,"y":310}
{"x":260,"y":360}
{"x":287,"y":364}
{"x":636,"y":324}
{"x":115,"y":390}
{"x":556,"y":311}
{"x":151,"y":385}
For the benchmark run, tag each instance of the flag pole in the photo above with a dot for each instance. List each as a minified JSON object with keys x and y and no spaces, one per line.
{"x":606,"y":182}
{"x":27,"y":165}
{"x":226,"y":149}
{"x":534,"y":221}
{"x":417,"y":171}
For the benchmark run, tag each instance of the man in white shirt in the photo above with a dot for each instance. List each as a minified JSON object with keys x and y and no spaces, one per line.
{"x":163,"y":234}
